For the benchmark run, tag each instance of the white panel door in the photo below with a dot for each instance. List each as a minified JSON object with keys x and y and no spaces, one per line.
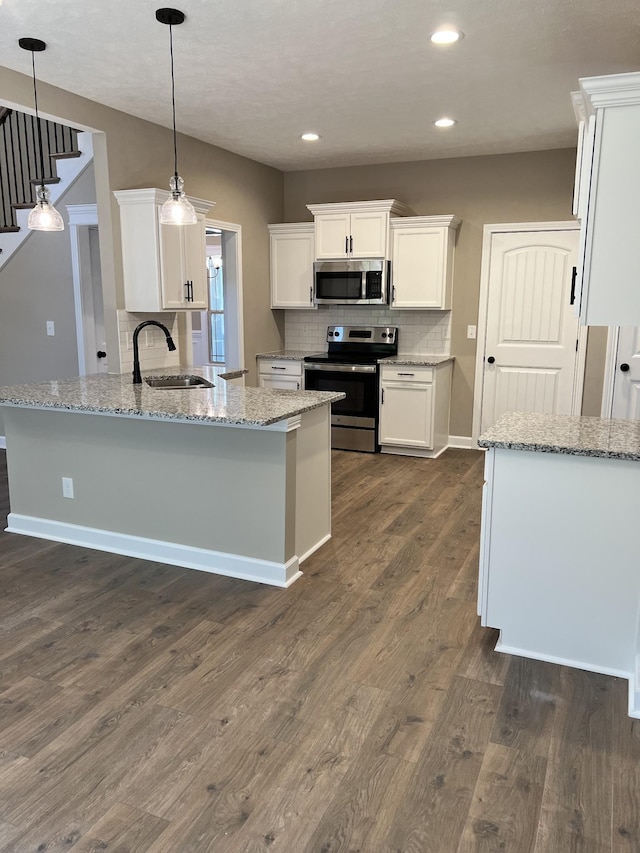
{"x":531,"y":332}
{"x":626,"y":383}
{"x":369,"y":232}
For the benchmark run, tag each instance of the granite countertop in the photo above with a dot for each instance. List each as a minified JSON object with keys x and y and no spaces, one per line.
{"x":115,"y":395}
{"x":419,"y":360}
{"x":287,"y":354}
{"x":578,"y":436}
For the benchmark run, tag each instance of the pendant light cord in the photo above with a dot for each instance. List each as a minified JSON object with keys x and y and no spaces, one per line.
{"x":35,"y":101}
{"x":173,"y":107}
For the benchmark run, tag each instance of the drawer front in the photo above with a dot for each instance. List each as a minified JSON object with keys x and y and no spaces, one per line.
{"x":280,"y":367}
{"x":407,"y":373}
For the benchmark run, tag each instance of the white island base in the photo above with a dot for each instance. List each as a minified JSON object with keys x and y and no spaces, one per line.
{"x":250,"y":502}
{"x":559,"y":564}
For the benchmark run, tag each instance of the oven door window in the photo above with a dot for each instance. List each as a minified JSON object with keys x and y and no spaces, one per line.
{"x":361,"y":390}
{"x":343,"y":284}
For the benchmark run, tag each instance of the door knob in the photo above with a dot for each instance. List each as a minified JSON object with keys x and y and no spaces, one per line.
{"x":491,"y":359}
{"x":624,"y":367}
{"x":101,"y":353}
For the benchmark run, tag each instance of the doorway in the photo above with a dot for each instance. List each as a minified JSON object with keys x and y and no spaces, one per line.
{"x":531,"y":349}
{"x":87,"y":288}
{"x":218,"y":334}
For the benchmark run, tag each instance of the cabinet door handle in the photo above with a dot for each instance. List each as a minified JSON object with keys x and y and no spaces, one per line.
{"x":406,"y":374}
{"x":393,"y":294}
{"x":273,"y":367}
{"x":382,"y":400}
{"x":298,"y":385}
{"x":311,"y":295}
{"x":573,"y":286}
{"x":346,"y":245}
{"x":351,"y":244}
{"x":186,"y":291}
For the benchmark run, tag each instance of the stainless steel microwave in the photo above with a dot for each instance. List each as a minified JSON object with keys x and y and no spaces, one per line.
{"x":363,"y":282}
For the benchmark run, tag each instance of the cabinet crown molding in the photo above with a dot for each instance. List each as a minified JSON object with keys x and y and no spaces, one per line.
{"x":445,"y":221}
{"x":158,"y":196}
{"x":613,"y":90}
{"x":389,"y":205}
{"x":291,"y":227}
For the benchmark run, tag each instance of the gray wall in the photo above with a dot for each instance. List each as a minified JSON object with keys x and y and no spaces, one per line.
{"x":526,"y":187}
{"x":131,"y":153}
{"x":36,"y":285}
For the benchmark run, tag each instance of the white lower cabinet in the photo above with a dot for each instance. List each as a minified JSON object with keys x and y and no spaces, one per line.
{"x":280,"y":373}
{"x":414,"y":409}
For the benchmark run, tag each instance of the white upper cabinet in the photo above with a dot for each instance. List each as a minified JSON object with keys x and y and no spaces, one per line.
{"x":422,"y":249}
{"x":608,"y":179}
{"x":354,"y":229}
{"x":164,"y":266}
{"x":292,"y":255}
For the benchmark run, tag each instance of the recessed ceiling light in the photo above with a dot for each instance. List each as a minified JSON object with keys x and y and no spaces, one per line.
{"x":310,"y":137}
{"x":445,"y":122}
{"x":446,"y":36}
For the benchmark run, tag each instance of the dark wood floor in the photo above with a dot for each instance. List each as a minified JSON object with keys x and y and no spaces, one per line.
{"x":149,"y":708}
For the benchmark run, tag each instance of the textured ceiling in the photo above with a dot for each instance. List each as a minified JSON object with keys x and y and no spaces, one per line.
{"x":252,"y":75}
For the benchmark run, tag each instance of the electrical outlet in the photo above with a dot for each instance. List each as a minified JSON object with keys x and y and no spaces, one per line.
{"x":51,"y":329}
{"x":67,"y":487}
{"x":471,"y":333}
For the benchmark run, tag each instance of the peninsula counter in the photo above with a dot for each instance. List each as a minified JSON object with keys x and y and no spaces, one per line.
{"x":229,"y":480}
{"x":559,"y":565}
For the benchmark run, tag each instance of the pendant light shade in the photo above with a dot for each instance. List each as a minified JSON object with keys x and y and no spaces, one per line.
{"x":177,"y":209}
{"x":44,"y":216}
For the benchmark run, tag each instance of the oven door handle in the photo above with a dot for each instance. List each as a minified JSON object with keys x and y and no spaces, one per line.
{"x":343,"y":368}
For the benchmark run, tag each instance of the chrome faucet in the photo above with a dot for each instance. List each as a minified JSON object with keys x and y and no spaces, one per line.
{"x":137,"y":378}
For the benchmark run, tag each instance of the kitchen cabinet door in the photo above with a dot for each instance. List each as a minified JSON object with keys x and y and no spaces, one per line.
{"x":406,"y":415}
{"x":422,"y":250}
{"x":183,"y":271}
{"x":288,"y":383}
{"x":292,"y":255}
{"x":332,"y":236}
{"x":369,"y":232}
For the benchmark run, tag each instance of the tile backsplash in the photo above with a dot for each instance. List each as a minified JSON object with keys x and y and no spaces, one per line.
{"x":152,"y":342}
{"x":419,"y":332}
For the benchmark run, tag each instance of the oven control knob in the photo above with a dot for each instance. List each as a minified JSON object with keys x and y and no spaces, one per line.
{"x":384,"y":334}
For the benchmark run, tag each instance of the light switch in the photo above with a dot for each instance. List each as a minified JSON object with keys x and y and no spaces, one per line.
{"x":51,"y":329}
{"x":471,"y":333}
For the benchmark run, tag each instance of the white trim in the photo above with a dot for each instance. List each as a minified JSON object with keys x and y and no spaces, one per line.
{"x":79,"y":215}
{"x":464,"y":442}
{"x":610,"y":360}
{"x":237,"y":229}
{"x":561,"y":661}
{"x":3,"y":442}
{"x":483,"y":306}
{"x":172,"y":553}
{"x":315,"y":547}
{"x":407,"y":450}
{"x":578,"y":370}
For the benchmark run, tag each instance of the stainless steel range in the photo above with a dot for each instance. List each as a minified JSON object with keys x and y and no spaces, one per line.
{"x":351,"y":365}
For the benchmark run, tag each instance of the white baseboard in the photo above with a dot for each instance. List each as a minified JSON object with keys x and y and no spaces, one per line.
{"x":215,"y":562}
{"x":575,"y":664}
{"x":314,"y":548}
{"x":464,"y":442}
{"x":3,"y":443}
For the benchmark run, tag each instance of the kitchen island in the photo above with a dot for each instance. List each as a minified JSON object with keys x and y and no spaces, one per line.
{"x":226,"y":479}
{"x":559,"y":566}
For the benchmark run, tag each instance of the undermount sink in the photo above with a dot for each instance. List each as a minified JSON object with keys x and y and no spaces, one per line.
{"x":178,"y":382}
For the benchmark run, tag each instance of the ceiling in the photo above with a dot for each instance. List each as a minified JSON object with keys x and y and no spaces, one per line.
{"x":253,"y":75}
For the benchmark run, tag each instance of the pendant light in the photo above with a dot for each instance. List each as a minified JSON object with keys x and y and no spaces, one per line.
{"x":44,"y":216}
{"x":177,"y":209}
